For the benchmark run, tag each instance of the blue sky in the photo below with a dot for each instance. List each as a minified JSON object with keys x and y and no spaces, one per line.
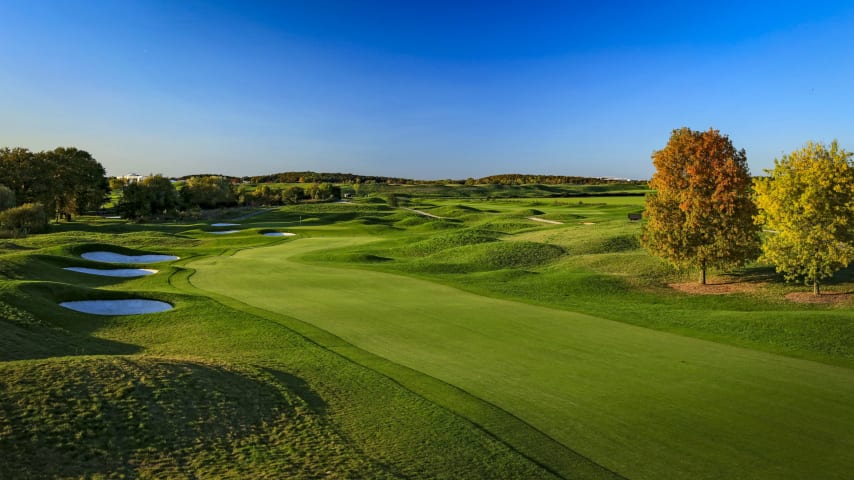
{"x":420,"y":89}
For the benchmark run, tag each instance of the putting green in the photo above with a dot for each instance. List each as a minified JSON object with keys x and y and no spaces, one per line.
{"x":643,"y":403}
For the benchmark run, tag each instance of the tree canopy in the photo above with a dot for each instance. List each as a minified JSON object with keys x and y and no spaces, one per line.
{"x":807,"y":206}
{"x":66,"y":180}
{"x":701,"y":213}
{"x":155,"y":195}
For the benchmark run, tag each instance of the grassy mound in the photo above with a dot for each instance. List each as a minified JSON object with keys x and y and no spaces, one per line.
{"x":451,"y":240}
{"x":490,"y":256}
{"x":126,"y":416}
{"x":507,"y":225}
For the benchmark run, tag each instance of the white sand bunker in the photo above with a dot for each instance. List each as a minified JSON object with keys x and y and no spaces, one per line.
{"x":114,"y":272}
{"x":117,"y":307}
{"x":224,"y":224}
{"x":112,"y":257}
{"x":224,"y":232}
{"x":278,"y":234}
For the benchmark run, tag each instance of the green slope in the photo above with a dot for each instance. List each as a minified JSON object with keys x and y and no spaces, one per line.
{"x":644,"y":403}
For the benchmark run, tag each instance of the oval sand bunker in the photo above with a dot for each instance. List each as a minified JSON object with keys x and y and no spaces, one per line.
{"x":224,"y":232}
{"x":112,"y":257}
{"x":117,"y":307}
{"x":114,"y":272}
{"x":278,"y":234}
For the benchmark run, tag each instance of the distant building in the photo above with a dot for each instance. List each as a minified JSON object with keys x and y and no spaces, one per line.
{"x":133,"y":178}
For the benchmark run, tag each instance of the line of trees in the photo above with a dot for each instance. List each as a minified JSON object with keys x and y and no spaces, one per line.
{"x":707,"y":211}
{"x":158,"y":196}
{"x":503,"y":179}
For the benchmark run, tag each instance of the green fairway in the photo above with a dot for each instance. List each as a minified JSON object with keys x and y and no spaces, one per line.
{"x":643,"y":403}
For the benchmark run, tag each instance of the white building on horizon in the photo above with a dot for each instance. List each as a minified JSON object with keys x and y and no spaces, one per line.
{"x":133,"y":178}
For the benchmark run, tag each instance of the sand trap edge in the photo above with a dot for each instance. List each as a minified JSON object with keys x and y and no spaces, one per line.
{"x":114,"y":272}
{"x":112,"y":257}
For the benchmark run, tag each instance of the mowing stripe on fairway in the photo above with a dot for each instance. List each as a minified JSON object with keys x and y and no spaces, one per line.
{"x":643,"y":403}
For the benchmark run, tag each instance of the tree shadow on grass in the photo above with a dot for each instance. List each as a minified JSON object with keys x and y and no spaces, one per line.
{"x":299,"y":387}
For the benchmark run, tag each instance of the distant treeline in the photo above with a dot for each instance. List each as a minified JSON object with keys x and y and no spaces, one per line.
{"x":504,"y":179}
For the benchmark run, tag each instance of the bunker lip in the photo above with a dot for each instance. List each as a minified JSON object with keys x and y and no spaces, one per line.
{"x":112,"y":257}
{"x":132,"y":306}
{"x":224,"y":224}
{"x":224,"y":232}
{"x":278,"y":234}
{"x":114,"y":272}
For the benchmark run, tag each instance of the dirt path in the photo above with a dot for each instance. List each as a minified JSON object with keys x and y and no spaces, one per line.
{"x":421,"y":212}
{"x":537,"y":219}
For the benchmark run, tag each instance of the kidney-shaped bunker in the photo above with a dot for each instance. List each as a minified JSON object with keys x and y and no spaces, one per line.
{"x":112,"y":257}
{"x":133,"y":306}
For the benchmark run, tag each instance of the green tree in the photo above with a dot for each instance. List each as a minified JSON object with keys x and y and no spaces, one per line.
{"x":154,"y":195}
{"x":807,"y":206}
{"x":7,"y":198}
{"x":28,"y":218}
{"x":27,"y":174}
{"x":79,"y":182}
{"x":701,"y":213}
{"x":209,"y":191}
{"x":117,"y":184}
{"x":293,"y":194}
{"x":65,"y":180}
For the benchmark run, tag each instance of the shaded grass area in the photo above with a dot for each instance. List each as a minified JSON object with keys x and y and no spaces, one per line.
{"x":161,"y":418}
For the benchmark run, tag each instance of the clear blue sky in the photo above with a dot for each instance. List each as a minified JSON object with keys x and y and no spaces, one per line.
{"x":427,"y":89}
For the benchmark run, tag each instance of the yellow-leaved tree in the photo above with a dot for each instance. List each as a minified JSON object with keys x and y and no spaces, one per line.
{"x":701,"y":213}
{"x":807,"y":207}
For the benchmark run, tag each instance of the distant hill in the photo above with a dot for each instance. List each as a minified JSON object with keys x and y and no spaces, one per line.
{"x":503,"y":179}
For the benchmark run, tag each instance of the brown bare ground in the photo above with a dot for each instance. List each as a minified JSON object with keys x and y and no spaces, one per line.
{"x":713,"y":287}
{"x":830,"y":297}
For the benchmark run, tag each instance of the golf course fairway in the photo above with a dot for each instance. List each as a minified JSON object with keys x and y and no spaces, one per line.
{"x":642,"y":403}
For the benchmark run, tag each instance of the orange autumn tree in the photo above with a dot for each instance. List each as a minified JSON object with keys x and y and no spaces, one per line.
{"x":701,"y":214}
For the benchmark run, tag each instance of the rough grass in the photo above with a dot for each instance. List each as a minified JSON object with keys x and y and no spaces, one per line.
{"x":113,"y":417}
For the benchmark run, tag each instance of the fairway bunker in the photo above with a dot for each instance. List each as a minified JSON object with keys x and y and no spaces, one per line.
{"x":224,"y":224}
{"x":278,"y":234}
{"x":225,"y":232}
{"x":112,"y":257}
{"x":114,"y":272}
{"x":133,"y":306}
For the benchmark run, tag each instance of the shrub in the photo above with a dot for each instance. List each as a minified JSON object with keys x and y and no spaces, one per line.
{"x":28,"y":218}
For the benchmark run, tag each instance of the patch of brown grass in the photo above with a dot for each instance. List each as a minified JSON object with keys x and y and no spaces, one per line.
{"x":715,"y":287}
{"x":827,"y":298}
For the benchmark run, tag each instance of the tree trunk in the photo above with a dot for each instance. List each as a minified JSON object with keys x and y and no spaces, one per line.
{"x":703,"y":275}
{"x":815,"y":288}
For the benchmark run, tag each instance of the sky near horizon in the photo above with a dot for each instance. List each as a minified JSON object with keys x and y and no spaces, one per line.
{"x":420,"y":89}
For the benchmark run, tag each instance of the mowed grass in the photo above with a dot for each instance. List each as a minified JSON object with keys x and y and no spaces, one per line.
{"x":643,"y":403}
